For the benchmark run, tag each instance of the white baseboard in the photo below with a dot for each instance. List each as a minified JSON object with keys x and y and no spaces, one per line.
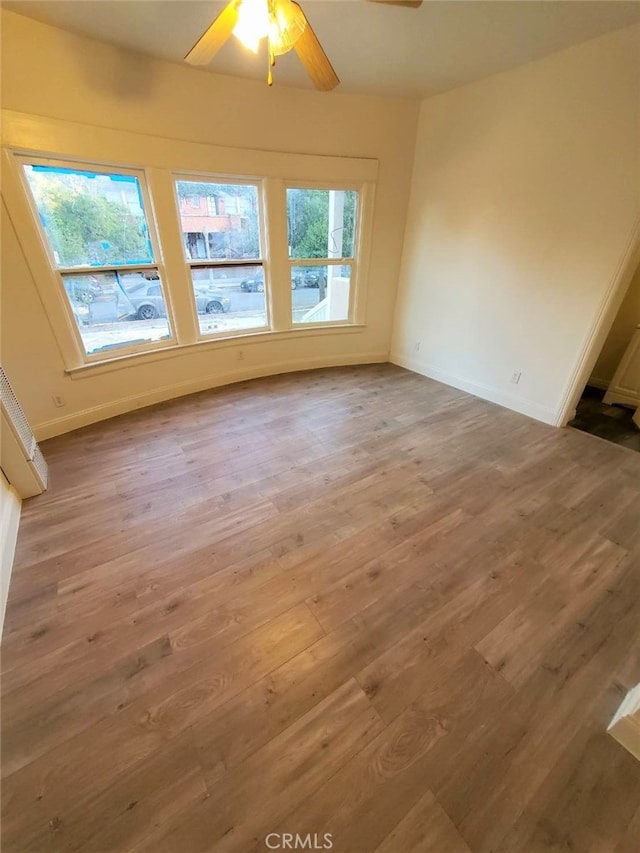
{"x":9,"y":523}
{"x":75,"y":420}
{"x":478,"y":389}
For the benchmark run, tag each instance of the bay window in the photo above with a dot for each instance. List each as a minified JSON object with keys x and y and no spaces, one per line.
{"x":132,"y":260}
{"x":221,"y":229}
{"x":101,"y":246}
{"x":322,"y":239}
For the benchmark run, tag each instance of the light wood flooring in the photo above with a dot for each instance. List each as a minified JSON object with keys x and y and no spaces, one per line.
{"x":349,"y":601}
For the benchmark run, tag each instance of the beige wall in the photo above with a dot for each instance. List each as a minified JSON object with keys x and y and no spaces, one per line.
{"x":524,"y":193}
{"x":627,"y":318}
{"x":524,"y":198}
{"x":51,"y":73}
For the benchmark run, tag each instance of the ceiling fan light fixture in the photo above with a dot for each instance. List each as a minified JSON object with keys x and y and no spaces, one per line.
{"x":287,"y":23}
{"x":282,"y":23}
{"x":253,"y":23}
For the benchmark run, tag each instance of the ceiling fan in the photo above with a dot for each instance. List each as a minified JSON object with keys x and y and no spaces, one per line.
{"x":284,"y":25}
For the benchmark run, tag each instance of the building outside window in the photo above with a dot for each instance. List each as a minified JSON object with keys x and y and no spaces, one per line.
{"x":226,"y":231}
{"x":246,"y":273}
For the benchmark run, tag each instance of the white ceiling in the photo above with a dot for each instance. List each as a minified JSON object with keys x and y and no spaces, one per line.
{"x":374,"y":48}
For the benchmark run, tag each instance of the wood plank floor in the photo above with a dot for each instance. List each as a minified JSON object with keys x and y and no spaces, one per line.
{"x":351,"y":601}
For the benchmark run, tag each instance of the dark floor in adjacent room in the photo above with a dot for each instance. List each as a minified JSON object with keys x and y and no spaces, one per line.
{"x":351,"y":601}
{"x":614,"y":423}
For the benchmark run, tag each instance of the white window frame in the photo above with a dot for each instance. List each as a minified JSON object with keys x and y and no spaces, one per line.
{"x":46,"y":140}
{"x":223,"y":263}
{"x":57,"y":273}
{"x":351,"y":262}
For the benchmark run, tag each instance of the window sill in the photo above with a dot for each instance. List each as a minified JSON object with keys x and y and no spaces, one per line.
{"x":162,"y":353}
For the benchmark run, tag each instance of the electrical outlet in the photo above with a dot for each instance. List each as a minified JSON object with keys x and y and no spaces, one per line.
{"x":59,"y":401}
{"x":515,"y":376}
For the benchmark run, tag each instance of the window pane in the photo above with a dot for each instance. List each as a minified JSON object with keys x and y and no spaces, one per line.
{"x":321,"y":294}
{"x":91,"y":218}
{"x":219,"y":221}
{"x":229,"y":300}
{"x":321,"y":223}
{"x":118,"y":309}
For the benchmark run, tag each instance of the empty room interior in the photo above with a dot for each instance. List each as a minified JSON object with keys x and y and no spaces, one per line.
{"x":320,"y":440}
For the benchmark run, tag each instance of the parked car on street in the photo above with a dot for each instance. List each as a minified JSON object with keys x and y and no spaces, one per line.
{"x":148,"y":303}
{"x":210,"y":301}
{"x":256,"y":284}
{"x":308,"y":278}
{"x":253,"y":285}
{"x":82,"y":290}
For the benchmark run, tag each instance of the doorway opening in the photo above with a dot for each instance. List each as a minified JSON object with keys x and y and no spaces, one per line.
{"x":609,"y":406}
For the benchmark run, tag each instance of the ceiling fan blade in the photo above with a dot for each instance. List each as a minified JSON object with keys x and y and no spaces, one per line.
{"x":212,"y":40}
{"x":315,"y":60}
{"x":413,"y":4}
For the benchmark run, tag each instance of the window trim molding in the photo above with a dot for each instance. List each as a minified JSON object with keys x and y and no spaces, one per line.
{"x":48,"y":137}
{"x":224,"y":263}
{"x":56,"y":274}
{"x":213,"y":343}
{"x":356,"y":279}
{"x":158,"y":160}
